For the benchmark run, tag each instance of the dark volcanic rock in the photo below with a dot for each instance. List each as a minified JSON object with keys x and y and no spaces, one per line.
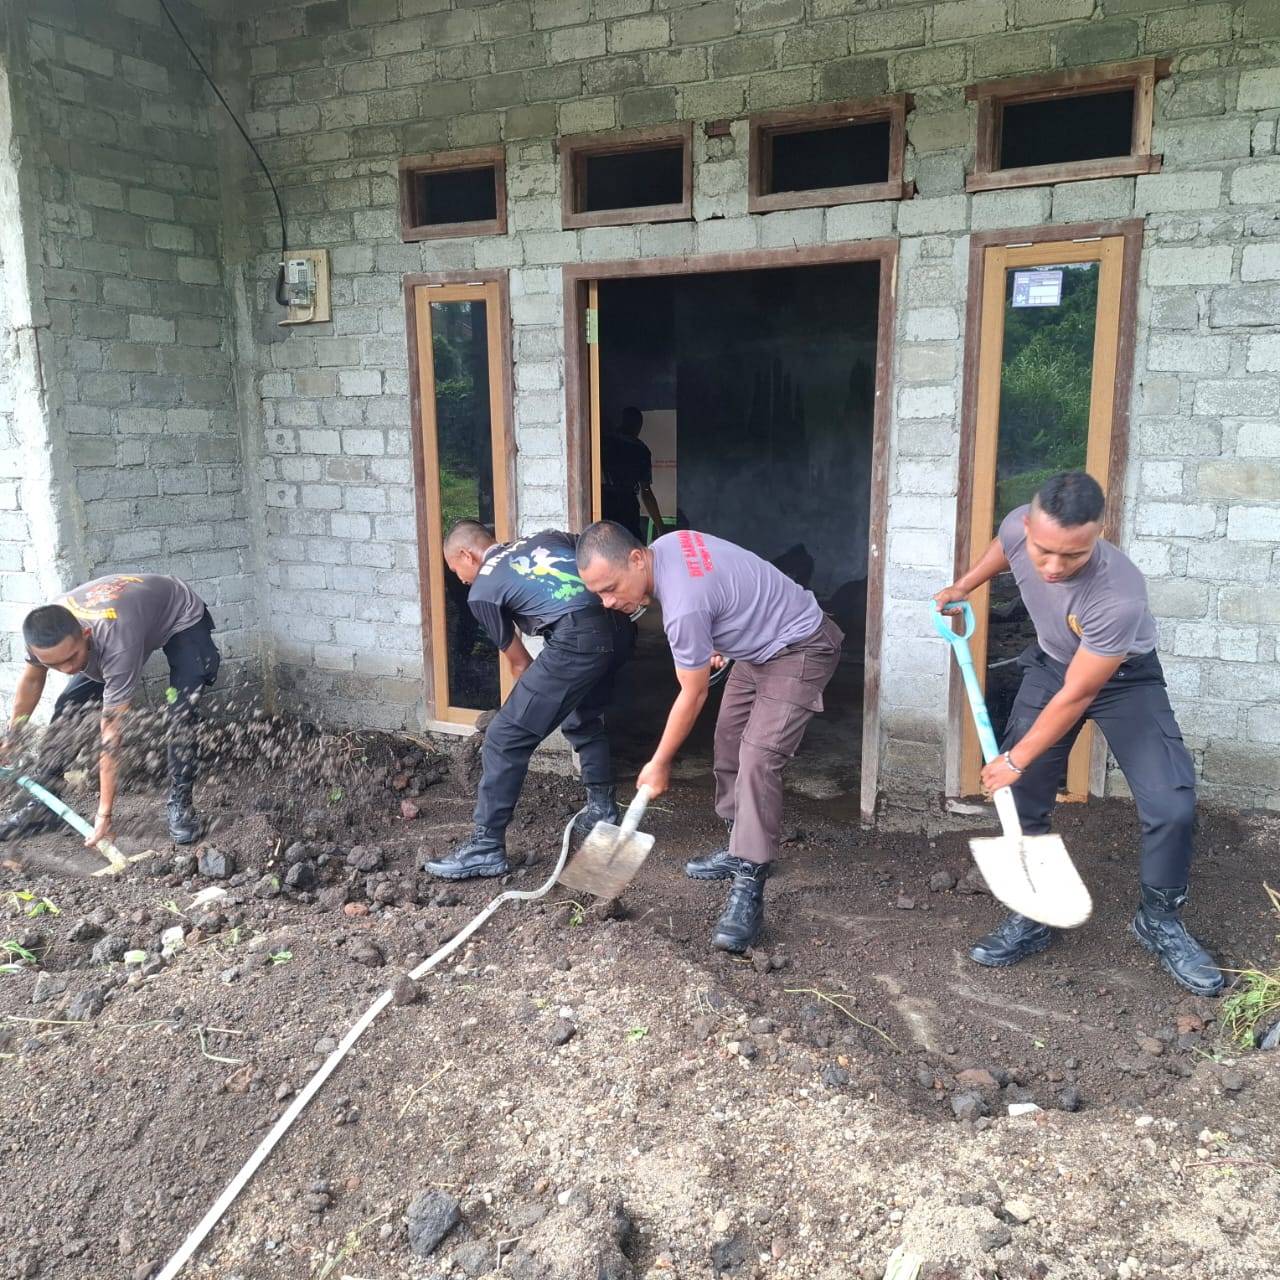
{"x":432,"y":1215}
{"x":215,"y":864}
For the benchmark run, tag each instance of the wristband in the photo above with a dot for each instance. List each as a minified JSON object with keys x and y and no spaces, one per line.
{"x":1008,"y":759}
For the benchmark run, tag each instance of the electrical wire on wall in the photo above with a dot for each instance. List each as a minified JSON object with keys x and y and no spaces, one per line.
{"x":284,"y":237}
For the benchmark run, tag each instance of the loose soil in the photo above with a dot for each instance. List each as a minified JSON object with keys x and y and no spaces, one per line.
{"x":602,"y":1093}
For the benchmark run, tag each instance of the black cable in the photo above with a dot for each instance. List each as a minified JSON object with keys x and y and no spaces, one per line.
{"x":284,"y":237}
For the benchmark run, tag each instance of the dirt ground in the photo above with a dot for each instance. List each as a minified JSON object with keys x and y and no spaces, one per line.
{"x":598,"y":1093}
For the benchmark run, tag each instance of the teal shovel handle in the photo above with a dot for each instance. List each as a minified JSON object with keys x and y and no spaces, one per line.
{"x":959,"y":642}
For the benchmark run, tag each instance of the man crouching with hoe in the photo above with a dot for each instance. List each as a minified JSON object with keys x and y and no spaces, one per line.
{"x":101,"y":634}
{"x":722,"y":603}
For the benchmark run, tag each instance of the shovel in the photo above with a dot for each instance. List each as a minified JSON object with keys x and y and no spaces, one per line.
{"x":114,"y":857}
{"x":1032,"y":875}
{"x":611,"y":854}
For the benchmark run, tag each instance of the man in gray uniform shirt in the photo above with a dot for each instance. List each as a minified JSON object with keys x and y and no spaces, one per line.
{"x":722,"y":603}
{"x":101,"y":634}
{"x":1094,"y":660}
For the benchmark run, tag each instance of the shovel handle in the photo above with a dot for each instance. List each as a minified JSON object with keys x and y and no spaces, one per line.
{"x":635,"y":811}
{"x":959,"y":642}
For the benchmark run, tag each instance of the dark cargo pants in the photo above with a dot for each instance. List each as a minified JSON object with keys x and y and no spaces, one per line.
{"x":763,"y":715}
{"x":1132,"y":710}
{"x":569,"y":685}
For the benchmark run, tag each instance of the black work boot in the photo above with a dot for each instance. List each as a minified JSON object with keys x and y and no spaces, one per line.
{"x":184,"y":826}
{"x":739,"y":924}
{"x":602,"y":806}
{"x":482,"y":853}
{"x":29,"y":819}
{"x":1159,"y":929}
{"x":718,"y":865}
{"x":1013,"y":939}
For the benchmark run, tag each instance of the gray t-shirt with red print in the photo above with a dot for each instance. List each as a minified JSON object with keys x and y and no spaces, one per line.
{"x":717,"y":597}
{"x":1103,"y":607}
{"x":129,"y":616}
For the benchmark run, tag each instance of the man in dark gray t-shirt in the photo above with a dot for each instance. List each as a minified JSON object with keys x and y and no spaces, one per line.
{"x":1094,"y":659}
{"x":723,"y":603}
{"x":101,"y":634}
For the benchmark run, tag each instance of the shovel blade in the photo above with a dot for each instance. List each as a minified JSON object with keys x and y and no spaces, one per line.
{"x":607,"y":861}
{"x":1034,"y":876}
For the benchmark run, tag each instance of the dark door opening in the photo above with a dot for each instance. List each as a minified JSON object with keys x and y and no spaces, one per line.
{"x":759,"y":393}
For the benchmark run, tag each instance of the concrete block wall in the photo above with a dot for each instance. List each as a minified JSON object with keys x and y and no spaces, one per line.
{"x":124,"y":244}
{"x":341,"y":89}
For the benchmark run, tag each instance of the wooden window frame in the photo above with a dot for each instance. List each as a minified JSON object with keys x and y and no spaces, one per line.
{"x":491,"y":286}
{"x":575,"y":149}
{"x":453,"y":162}
{"x":766,"y":126}
{"x":993,"y":96}
{"x":974,"y":513}
{"x":582,"y":423}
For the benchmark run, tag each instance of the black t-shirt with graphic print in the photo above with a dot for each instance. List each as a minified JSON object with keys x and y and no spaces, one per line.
{"x":529,"y":584}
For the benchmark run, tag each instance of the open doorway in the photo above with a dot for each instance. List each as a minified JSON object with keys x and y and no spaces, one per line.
{"x":758,"y":395}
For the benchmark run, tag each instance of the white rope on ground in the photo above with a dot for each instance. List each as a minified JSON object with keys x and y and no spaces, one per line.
{"x":281,"y":1126}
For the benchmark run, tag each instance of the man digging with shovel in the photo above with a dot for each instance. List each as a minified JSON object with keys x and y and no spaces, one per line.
{"x":532,"y":587}
{"x":1094,"y":659}
{"x":722,"y":603}
{"x":101,"y":635}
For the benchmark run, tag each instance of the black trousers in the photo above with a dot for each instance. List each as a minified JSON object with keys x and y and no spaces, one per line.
{"x":193,"y":664}
{"x":569,"y":685}
{"x":1132,"y":709}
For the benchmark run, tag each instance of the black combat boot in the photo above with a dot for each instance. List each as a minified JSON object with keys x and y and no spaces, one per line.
{"x":1013,"y":939}
{"x":482,"y":853}
{"x":29,"y":819}
{"x":1159,"y":929}
{"x":718,"y":865}
{"x":739,"y":925}
{"x":184,"y":826}
{"x":602,"y":806}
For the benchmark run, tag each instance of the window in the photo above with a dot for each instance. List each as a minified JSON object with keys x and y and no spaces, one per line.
{"x":1093,"y":122}
{"x":643,"y":175}
{"x":1048,"y":373}
{"x":464,"y":467}
{"x":456,"y":193}
{"x":837,"y":153}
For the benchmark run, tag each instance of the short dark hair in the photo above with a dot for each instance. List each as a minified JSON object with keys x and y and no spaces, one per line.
{"x":49,"y":625}
{"x":1071,"y":498}
{"x":470,"y":534}
{"x":632,"y":419}
{"x":608,"y":541}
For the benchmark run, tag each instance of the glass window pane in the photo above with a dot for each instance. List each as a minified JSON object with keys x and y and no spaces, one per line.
{"x":1046,"y":378}
{"x":460,"y":357}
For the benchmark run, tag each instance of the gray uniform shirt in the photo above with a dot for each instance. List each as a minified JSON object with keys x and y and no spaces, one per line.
{"x":129,"y":617}
{"x":1103,"y":607}
{"x":718,"y":597}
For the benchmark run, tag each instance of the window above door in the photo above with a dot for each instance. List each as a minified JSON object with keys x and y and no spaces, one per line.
{"x":835,"y":153}
{"x":636,"y":175}
{"x":453,"y":193}
{"x":1067,"y":126}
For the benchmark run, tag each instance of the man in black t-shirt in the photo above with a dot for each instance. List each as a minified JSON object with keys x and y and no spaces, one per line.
{"x":626,"y":477}
{"x":531,"y":587}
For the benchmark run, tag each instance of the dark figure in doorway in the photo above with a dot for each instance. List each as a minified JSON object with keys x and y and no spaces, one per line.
{"x":1094,"y":658}
{"x":101,"y":634}
{"x":721,"y":603}
{"x":626,"y":476}
{"x":532,"y":587}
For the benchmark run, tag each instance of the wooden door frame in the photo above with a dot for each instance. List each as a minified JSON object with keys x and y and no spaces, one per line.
{"x":1130,"y":231}
{"x":577,"y":278}
{"x":425,"y":458}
